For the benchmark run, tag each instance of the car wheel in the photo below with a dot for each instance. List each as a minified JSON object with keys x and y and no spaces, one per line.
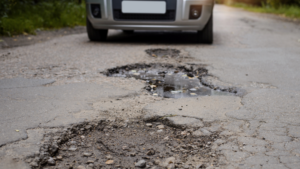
{"x":206,"y":35}
{"x":95,"y":34}
{"x":128,"y":31}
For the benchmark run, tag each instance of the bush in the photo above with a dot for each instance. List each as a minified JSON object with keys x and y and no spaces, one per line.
{"x":272,"y":3}
{"x":278,"y":3}
{"x":28,"y":15}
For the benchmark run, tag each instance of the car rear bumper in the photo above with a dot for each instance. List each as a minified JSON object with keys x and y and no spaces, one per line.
{"x":180,"y":22}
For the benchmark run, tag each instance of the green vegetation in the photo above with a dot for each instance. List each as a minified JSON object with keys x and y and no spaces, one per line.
{"x":19,"y":16}
{"x":287,"y":8}
{"x":291,"y":11}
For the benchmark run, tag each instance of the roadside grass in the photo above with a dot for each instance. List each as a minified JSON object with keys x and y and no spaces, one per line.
{"x":286,"y":11}
{"x":29,"y":18}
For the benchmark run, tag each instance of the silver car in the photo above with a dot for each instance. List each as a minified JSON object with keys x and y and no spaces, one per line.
{"x":130,"y":15}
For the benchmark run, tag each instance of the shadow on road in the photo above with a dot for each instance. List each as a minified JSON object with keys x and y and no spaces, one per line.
{"x":153,"y":37}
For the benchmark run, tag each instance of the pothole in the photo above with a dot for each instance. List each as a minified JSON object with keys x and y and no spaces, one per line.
{"x":169,"y":81}
{"x":128,"y":145}
{"x":164,"y":53}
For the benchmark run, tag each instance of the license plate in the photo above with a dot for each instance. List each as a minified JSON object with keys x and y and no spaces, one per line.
{"x":144,"y":7}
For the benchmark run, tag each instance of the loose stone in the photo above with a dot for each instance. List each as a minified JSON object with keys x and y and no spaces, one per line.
{"x":59,"y":157}
{"x":80,"y":167}
{"x":87,"y":154}
{"x":90,"y":161}
{"x":109,"y":157}
{"x":141,"y":164}
{"x":149,"y":124}
{"x":161,"y":126}
{"x":51,"y":161}
{"x":205,"y":132}
{"x":72,"y":148}
{"x":109,"y":162}
{"x":150,"y":153}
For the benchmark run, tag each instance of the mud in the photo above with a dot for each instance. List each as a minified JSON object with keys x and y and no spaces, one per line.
{"x":124,"y":144}
{"x":169,"y":81}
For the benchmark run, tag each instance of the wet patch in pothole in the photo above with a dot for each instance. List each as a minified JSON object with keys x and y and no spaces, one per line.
{"x":164,"y":53}
{"x":169,"y":81}
{"x":128,"y":145}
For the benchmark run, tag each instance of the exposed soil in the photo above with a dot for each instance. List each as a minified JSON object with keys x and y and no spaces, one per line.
{"x":169,"y":81}
{"x":126,"y":145}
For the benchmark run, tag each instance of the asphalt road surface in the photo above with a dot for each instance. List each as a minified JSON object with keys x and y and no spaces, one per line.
{"x":50,"y":86}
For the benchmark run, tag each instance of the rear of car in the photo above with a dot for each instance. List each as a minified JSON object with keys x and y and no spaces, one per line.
{"x":130,"y":15}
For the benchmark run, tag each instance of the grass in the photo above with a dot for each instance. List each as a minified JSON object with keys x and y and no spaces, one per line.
{"x":29,"y":18}
{"x":286,"y":11}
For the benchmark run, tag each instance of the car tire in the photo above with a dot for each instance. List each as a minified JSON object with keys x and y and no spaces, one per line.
{"x":128,"y":31}
{"x":95,"y":34}
{"x":206,"y":35}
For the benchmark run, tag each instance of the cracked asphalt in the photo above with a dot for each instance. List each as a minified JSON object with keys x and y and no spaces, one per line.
{"x":48,"y":87}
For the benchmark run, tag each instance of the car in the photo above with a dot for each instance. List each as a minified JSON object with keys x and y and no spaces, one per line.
{"x":130,"y":15}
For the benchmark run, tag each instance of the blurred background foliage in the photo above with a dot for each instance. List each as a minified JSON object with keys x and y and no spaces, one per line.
{"x":27,"y":16}
{"x":285,"y":8}
{"x":271,"y":3}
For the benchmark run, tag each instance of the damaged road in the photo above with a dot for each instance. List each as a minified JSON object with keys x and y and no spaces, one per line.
{"x":153,"y":100}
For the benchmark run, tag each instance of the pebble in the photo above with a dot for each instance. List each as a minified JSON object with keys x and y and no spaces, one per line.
{"x":132,"y":154}
{"x":186,"y":166}
{"x":90,"y":161}
{"x":150,"y":152}
{"x":197,"y":133}
{"x":141,"y":164}
{"x":183,"y":133}
{"x":149,"y":124}
{"x":34,"y":164}
{"x":205,"y":132}
{"x":125,"y":148}
{"x":59,"y":157}
{"x":167,"y":162}
{"x":51,"y":161}
{"x":72,"y":148}
{"x":80,"y":167}
{"x":160,"y":126}
{"x":109,"y":157}
{"x":87,"y":154}
{"x":88,"y":127}
{"x":109,"y":162}
{"x":159,"y":131}
{"x":73,"y":142}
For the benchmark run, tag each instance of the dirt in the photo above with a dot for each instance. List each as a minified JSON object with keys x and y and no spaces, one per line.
{"x":41,"y":36}
{"x":123,"y":144}
{"x":169,"y":81}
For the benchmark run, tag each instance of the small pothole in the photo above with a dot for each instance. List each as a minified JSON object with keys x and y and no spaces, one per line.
{"x":169,"y":81}
{"x":164,"y":53}
{"x":123,"y":145}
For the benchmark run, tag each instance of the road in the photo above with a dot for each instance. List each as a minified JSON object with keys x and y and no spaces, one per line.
{"x":50,"y":86}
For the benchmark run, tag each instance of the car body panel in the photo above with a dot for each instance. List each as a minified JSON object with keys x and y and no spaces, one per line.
{"x":182,"y":21}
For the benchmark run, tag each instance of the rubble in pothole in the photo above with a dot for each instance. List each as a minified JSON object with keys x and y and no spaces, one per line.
{"x":134,"y":144}
{"x":167,"y":80}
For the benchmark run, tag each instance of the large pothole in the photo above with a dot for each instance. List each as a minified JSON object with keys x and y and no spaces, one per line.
{"x":166,"y":80}
{"x":128,"y":145}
